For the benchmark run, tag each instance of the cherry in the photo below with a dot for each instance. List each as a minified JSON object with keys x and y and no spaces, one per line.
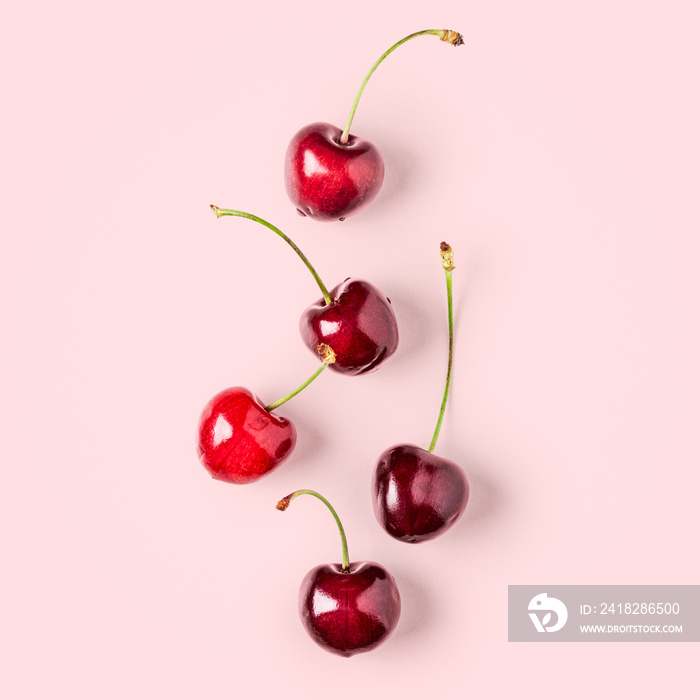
{"x":240,"y":439}
{"x":354,"y":319}
{"x":347,"y":608}
{"x":327,"y":179}
{"x":359,"y":325}
{"x":330,"y":174}
{"x":417,"y":495}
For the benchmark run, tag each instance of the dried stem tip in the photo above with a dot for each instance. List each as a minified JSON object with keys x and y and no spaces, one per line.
{"x":447,"y":256}
{"x":284,"y":503}
{"x":452,"y":37}
{"x":326,"y":353}
{"x":215,"y":209}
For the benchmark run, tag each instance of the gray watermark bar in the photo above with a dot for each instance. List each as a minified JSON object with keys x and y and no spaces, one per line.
{"x":604,"y":613}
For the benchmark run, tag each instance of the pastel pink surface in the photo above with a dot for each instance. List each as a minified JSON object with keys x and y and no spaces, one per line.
{"x":556,"y":151}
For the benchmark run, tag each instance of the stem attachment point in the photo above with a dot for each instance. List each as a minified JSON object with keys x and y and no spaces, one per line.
{"x":452,"y":37}
{"x":326,"y":353}
{"x":448,"y":257}
{"x":283,"y":503}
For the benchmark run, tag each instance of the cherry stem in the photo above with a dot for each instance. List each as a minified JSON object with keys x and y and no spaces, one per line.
{"x":284,"y":504}
{"x":448,"y":264}
{"x":451,"y":37}
{"x":328,"y":357}
{"x":233,"y":212}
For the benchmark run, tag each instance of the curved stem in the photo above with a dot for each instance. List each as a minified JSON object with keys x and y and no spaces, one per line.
{"x":447,"y":263}
{"x":301,"y":387}
{"x":233,"y":212}
{"x":328,"y":357}
{"x":284,"y":504}
{"x":451,"y":37}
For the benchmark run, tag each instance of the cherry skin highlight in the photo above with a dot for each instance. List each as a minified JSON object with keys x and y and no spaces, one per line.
{"x":359,"y":325}
{"x":416,"y":494}
{"x":350,"y":612}
{"x":239,"y":441}
{"x":328,"y":180}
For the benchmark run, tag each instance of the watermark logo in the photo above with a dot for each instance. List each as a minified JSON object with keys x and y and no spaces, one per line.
{"x":542,"y":603}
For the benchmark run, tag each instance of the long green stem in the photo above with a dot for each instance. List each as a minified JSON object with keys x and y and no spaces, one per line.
{"x":328,"y":356}
{"x":448,"y":264}
{"x":233,"y":212}
{"x":451,"y":37}
{"x":284,"y":504}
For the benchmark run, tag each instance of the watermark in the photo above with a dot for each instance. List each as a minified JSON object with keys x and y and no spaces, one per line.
{"x":603,"y":613}
{"x":543,"y":603}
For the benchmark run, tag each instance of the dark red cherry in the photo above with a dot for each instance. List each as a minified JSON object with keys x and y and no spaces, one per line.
{"x":239,"y":441}
{"x":359,"y":324}
{"x":328,"y":180}
{"x":354,"y":319}
{"x":416,"y":494}
{"x":329,"y":173}
{"x":350,"y":607}
{"x":349,"y":612}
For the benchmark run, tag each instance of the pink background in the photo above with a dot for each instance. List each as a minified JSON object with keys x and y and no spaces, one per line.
{"x":557,"y":151}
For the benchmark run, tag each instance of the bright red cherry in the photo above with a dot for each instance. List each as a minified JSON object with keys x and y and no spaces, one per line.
{"x":347,"y":608}
{"x":330,"y":174}
{"x":417,"y":495}
{"x":240,"y":439}
{"x":354,"y":319}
